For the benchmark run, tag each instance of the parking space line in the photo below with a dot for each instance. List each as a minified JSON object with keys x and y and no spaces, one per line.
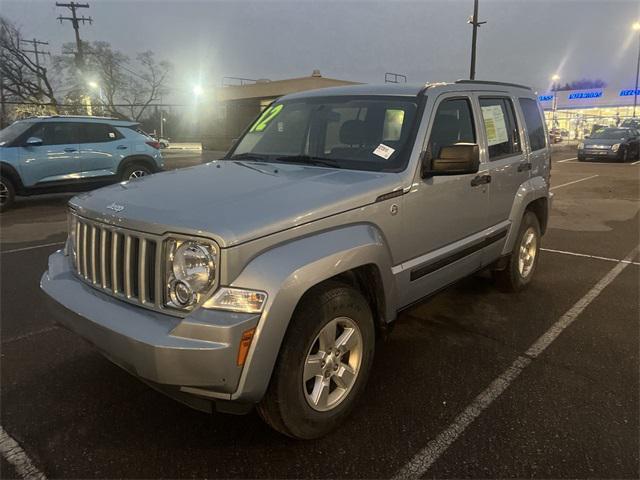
{"x":13,"y":453}
{"x":30,"y":334}
{"x":567,"y":160}
{"x":595,"y":257}
{"x":24,"y":249}
{"x":424,"y":459}
{"x":635,"y":163}
{"x":575,"y":181}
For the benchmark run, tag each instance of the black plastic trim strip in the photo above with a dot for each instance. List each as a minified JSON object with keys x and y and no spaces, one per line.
{"x":454,"y":257}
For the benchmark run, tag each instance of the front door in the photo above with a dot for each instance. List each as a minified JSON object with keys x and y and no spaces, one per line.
{"x":56,"y":160}
{"x":445,"y":216}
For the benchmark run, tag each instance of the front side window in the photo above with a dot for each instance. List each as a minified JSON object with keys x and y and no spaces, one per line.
{"x":452,"y":124}
{"x":355,"y":132}
{"x":533,"y":122}
{"x":57,"y":133}
{"x":500,"y":127}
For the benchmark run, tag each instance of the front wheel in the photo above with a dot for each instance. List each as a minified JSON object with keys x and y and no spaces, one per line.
{"x":323,"y":365}
{"x":7,"y":194}
{"x":523,"y":259}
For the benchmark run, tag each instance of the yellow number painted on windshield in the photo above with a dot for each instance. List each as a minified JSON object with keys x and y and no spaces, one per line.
{"x":268,"y":115}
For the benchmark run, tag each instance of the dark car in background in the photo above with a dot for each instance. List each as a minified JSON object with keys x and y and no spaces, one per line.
{"x":614,"y":144}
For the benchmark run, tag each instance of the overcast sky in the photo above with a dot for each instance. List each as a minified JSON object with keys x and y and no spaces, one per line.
{"x":524,"y":41}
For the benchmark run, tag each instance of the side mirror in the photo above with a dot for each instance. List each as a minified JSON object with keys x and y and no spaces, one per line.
{"x":33,"y":142}
{"x":458,"y":159}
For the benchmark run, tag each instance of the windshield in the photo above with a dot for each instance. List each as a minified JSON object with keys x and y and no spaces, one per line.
{"x":13,"y":131}
{"x":611,"y":134}
{"x":357,"y":132}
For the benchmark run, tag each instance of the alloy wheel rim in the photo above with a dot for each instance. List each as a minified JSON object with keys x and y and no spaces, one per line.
{"x":528,"y":252}
{"x":137,"y":174}
{"x":332,"y":364}
{"x":4,"y":193}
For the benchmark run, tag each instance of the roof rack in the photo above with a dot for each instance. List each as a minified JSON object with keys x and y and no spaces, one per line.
{"x":489,"y":82}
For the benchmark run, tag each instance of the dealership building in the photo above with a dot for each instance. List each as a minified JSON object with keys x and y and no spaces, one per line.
{"x":577,"y":111}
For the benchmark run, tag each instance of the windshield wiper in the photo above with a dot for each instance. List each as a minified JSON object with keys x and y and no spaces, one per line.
{"x":249,"y":156}
{"x":309,"y":160}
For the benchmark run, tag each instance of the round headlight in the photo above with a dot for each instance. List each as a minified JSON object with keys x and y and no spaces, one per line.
{"x":182,"y":294}
{"x":194,"y":265}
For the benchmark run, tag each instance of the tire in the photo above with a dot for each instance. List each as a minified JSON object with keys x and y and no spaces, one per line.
{"x":134,"y":171}
{"x":7,"y":193}
{"x":517,"y":276}
{"x":624,"y":156}
{"x":288,"y":405}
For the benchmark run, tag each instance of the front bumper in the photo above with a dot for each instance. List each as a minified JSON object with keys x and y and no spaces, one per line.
{"x":599,"y":154}
{"x":195,"y":355}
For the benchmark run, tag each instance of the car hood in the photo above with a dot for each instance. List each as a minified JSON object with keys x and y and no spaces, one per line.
{"x":231,"y":201}
{"x":602,"y":141}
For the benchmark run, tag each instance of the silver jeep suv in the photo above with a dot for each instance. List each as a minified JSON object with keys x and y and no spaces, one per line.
{"x":264,"y":279}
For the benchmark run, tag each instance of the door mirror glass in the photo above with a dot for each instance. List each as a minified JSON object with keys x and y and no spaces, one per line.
{"x":458,"y":159}
{"x":33,"y":142}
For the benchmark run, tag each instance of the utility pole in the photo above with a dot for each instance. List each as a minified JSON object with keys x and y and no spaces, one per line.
{"x":75,"y":21}
{"x":474,"y":39}
{"x":3,"y":112}
{"x":636,"y":27}
{"x":37,"y":54}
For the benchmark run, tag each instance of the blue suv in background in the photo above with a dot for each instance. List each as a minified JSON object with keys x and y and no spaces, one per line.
{"x":72,"y":153}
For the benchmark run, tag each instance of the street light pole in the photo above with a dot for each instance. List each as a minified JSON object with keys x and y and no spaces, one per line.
{"x":555,"y":86}
{"x":636,"y":27}
{"x":474,"y":39}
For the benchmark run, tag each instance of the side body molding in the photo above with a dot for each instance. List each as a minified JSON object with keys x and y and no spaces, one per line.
{"x":287,"y":271}
{"x":532,"y":189}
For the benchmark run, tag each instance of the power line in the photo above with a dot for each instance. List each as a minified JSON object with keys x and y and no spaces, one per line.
{"x":75,"y":21}
{"x":37,"y":54}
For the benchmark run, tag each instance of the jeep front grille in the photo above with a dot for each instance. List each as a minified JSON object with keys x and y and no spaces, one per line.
{"x":123,"y":263}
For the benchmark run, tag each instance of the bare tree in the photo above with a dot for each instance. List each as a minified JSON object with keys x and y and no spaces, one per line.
{"x":148,"y":86}
{"x":22,"y":79}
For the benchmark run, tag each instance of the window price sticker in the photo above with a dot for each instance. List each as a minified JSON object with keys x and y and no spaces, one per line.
{"x":383,"y":151}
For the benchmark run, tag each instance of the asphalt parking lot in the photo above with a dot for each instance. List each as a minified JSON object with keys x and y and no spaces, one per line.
{"x":472,"y":383}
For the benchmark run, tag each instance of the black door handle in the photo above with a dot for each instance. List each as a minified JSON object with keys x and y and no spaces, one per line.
{"x":480,"y":180}
{"x":121,"y":147}
{"x":524,"y":166}
{"x":70,"y":149}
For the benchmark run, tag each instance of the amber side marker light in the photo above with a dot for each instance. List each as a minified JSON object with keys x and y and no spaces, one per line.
{"x":245,"y":343}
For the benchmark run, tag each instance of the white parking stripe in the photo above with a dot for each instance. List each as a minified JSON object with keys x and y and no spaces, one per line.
{"x":16,"y":456}
{"x":575,"y":181}
{"x":30,"y":334}
{"x":635,"y":163}
{"x":595,"y":257}
{"x":31,"y":248}
{"x":423,"y":460}
{"x":567,"y":160}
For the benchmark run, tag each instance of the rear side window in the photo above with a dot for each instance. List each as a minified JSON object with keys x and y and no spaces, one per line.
{"x":453,"y":124}
{"x":533,"y":122}
{"x":500,"y":127}
{"x":98,"y":133}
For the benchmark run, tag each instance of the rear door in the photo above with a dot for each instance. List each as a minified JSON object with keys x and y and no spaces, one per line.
{"x":56,"y":160}
{"x":508,"y":164}
{"x":101,"y":149}
{"x":536,"y":137}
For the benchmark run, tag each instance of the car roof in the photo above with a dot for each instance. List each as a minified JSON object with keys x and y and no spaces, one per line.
{"x":84,"y":118}
{"x":414,"y":90}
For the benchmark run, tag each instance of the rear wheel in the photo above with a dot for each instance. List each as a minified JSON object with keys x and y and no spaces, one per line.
{"x":323,"y":365}
{"x":7,"y":193}
{"x":523,"y":260}
{"x":136,"y":170}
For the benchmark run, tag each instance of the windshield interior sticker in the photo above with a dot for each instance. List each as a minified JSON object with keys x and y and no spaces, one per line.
{"x":383,"y":151}
{"x":495,"y":124}
{"x":266,"y":117}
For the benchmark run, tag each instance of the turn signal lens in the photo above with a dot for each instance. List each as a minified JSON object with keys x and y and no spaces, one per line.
{"x":245,"y":343}
{"x":237,"y":300}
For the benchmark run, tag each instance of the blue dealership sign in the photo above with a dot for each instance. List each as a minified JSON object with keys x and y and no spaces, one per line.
{"x":582,"y":95}
{"x":545,"y":98}
{"x":629,"y":93}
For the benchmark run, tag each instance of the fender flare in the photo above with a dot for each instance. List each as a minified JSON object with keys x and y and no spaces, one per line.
{"x":12,"y":174}
{"x":287,"y":272}
{"x":141,"y":159}
{"x":530,"y":191}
